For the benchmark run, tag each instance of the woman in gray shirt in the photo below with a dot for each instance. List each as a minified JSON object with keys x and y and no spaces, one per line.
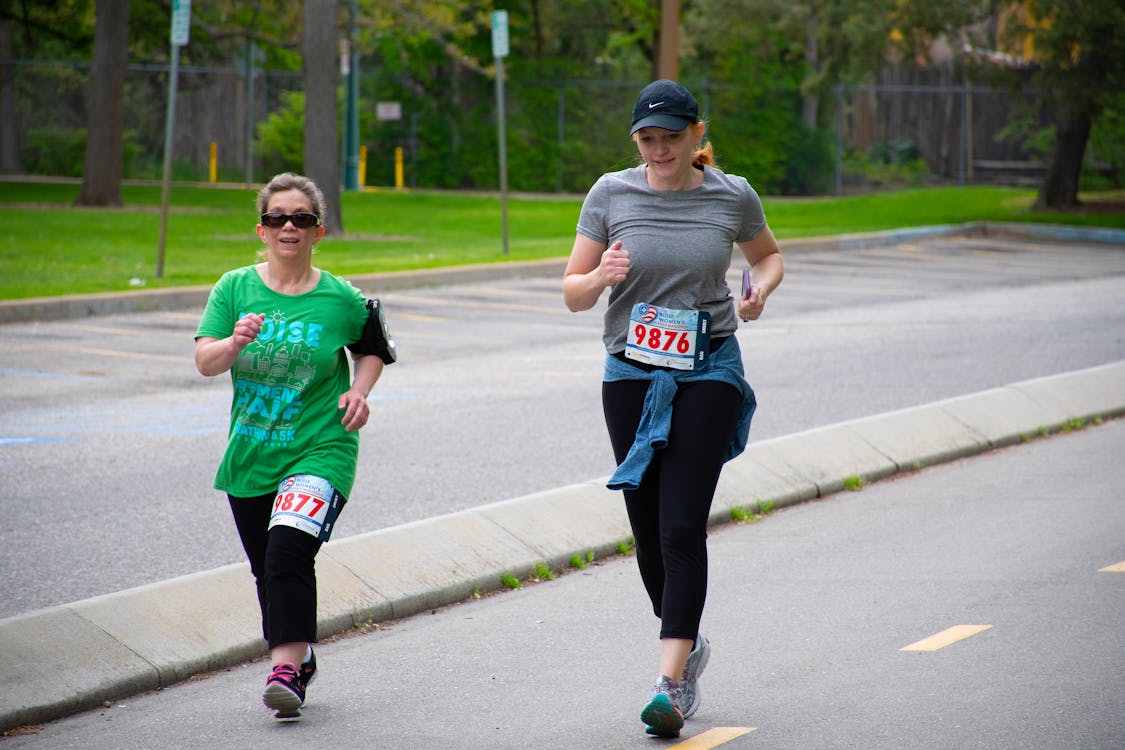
{"x":676,"y":402}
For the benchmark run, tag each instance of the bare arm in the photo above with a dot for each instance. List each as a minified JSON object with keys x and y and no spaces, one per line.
{"x":590,"y":270}
{"x":764,"y":256}
{"x":214,"y":356}
{"x":353,"y":401}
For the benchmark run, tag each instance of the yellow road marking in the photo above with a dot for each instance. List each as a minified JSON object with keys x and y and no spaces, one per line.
{"x":712,"y":738}
{"x":1118,"y":568}
{"x":945,"y":637}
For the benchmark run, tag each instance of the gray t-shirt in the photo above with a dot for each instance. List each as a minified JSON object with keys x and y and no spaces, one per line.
{"x":679,"y":243}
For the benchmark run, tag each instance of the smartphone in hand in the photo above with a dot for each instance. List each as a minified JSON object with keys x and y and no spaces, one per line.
{"x":745,"y":283}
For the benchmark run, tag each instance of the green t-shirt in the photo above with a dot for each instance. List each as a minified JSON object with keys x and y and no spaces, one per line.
{"x":287,"y":383}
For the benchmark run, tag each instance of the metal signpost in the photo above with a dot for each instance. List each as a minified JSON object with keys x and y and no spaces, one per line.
{"x":181,"y":26}
{"x":500,"y":51}
{"x":350,"y":64}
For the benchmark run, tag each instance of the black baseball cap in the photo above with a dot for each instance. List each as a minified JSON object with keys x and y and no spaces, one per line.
{"x":664,"y":104}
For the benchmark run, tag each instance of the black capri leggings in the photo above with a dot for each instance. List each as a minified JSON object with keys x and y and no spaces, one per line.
{"x":282,"y":560}
{"x":668,"y":512}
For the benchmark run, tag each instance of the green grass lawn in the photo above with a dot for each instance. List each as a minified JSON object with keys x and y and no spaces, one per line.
{"x":55,"y":248}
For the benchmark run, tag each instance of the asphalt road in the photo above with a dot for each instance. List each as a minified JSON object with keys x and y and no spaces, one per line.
{"x":109,"y":438}
{"x":809,"y":612}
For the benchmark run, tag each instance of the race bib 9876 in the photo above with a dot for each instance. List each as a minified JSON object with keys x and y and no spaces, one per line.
{"x":662,"y":336}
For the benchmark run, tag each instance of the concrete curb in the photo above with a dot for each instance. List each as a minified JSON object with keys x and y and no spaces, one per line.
{"x":74,"y":657}
{"x":180,"y":298}
{"x":145,"y":300}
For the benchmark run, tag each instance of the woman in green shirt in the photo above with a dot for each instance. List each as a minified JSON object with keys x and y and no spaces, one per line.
{"x":281,"y":328}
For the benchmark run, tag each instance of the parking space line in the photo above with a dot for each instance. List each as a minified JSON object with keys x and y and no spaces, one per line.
{"x":104,"y":329}
{"x":712,"y":738}
{"x":1117,"y":568}
{"x":129,"y":355}
{"x":553,"y":306}
{"x":418,"y":318}
{"x":945,"y":638}
{"x":97,"y":352}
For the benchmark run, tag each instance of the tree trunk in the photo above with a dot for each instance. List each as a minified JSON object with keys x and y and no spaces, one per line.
{"x":101,"y":176}
{"x":668,"y":41}
{"x":322,"y":137}
{"x":1060,"y":184}
{"x":9,"y":130}
{"x":810,"y":101}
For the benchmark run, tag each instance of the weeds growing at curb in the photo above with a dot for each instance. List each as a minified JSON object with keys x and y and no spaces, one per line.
{"x":626,"y":546}
{"x":509,"y":581}
{"x":752,"y":513}
{"x":1071,"y":425}
{"x":543,"y":572}
{"x":364,"y":625}
{"x":854,"y":483}
{"x":578,"y":561}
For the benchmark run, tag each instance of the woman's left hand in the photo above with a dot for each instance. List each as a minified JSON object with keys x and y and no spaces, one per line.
{"x":750,"y":308}
{"x":356,"y":410}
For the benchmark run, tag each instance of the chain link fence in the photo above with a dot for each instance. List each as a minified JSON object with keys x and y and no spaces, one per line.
{"x":561,"y":134}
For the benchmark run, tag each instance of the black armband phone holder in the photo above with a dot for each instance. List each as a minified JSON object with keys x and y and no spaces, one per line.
{"x":376,"y":337}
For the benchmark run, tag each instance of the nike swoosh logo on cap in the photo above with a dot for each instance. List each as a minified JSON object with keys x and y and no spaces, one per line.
{"x":654,"y":104}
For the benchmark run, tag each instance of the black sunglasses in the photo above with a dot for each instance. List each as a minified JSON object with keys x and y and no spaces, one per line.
{"x":301,"y":220}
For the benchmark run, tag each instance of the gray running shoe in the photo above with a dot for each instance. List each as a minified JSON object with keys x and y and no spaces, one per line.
{"x":661,"y":714}
{"x":689,"y":681}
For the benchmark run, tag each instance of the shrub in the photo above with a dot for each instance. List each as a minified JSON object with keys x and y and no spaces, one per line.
{"x":809,"y":164}
{"x":281,"y":138}
{"x":894,"y":164}
{"x":61,"y":152}
{"x":54,"y":152}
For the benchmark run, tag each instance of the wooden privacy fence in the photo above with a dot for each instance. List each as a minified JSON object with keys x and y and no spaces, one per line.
{"x":955,"y":129}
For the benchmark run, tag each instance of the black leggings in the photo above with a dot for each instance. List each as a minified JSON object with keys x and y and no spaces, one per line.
{"x":668,"y":512}
{"x":282,"y":560}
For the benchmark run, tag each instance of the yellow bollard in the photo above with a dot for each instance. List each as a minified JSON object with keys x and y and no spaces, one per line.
{"x":398,"y":166}
{"x":214,"y":161}
{"x":362,"y":166}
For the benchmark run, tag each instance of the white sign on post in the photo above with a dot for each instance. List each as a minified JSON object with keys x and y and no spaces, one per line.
{"x":181,"y":25}
{"x":388,"y":111}
{"x":499,"y":52}
{"x":181,"y":22}
{"x":499,"y":33}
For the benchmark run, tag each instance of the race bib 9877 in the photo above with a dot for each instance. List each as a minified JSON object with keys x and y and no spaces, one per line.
{"x":307,"y":503}
{"x":662,"y":336}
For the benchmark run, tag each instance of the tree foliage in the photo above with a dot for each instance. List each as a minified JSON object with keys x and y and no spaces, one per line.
{"x":1078,"y":51}
{"x":764,"y":71}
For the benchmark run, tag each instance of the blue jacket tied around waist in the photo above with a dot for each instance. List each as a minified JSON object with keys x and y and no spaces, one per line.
{"x":724,"y":365}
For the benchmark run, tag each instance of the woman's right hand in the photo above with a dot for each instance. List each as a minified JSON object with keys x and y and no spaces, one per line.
{"x":614,"y":264}
{"x":592,"y":267}
{"x":213,"y":356}
{"x":247,"y":329}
